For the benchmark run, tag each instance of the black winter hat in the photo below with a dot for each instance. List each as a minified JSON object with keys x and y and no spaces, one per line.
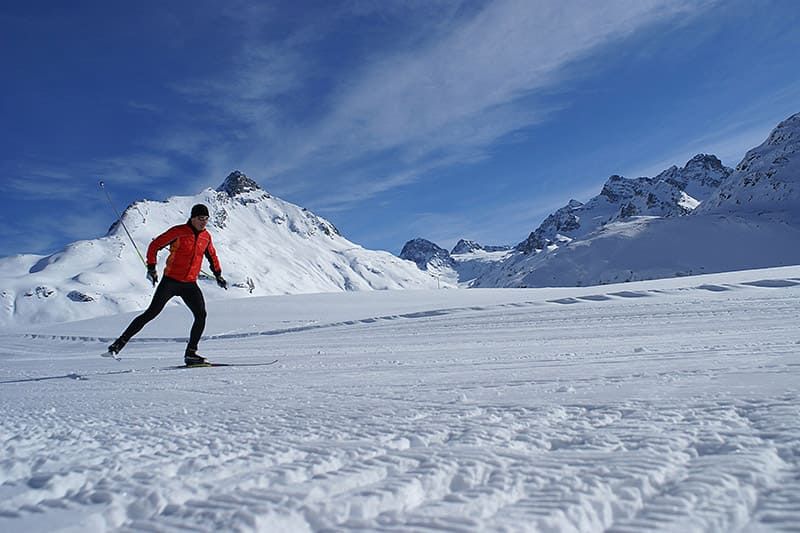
{"x":199,"y":210}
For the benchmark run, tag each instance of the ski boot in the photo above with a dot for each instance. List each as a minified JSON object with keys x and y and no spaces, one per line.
{"x":190,"y":358}
{"x":115,"y":348}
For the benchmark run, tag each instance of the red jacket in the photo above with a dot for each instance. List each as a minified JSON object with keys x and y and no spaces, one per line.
{"x":186,"y":250}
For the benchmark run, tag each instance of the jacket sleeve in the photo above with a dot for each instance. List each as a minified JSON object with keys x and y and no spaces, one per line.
{"x":211,"y":254}
{"x":159,"y":242}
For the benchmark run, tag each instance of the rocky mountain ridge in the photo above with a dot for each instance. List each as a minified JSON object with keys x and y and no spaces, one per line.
{"x":673,"y":192}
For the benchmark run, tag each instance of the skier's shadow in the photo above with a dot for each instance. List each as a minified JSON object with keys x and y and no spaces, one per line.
{"x":71,"y":375}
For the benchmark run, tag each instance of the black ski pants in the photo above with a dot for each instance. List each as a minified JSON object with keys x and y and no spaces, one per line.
{"x":192,"y":296}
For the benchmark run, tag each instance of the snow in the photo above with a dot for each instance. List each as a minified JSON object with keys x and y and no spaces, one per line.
{"x":475,"y":264}
{"x":658,"y":405}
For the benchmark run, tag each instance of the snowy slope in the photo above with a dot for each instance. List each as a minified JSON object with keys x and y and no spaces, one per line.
{"x":265,"y":245}
{"x":667,"y":405}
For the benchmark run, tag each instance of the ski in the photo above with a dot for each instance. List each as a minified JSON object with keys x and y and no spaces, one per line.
{"x":212,"y":365}
{"x":116,"y":357}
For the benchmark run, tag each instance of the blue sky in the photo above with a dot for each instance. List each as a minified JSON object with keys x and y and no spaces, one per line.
{"x":393,"y":119}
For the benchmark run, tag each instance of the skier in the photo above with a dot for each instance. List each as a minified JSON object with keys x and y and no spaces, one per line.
{"x":188,"y":243}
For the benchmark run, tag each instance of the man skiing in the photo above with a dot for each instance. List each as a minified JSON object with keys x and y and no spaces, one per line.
{"x":188,"y":243}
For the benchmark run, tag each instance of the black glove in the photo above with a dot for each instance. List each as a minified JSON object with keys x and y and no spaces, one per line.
{"x":221,"y":281}
{"x":152,"y":275}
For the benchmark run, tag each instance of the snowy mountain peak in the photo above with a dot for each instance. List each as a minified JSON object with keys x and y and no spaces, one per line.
{"x":465,"y":246}
{"x":767,"y":179}
{"x":705,"y":161}
{"x":613,"y":188}
{"x":237,"y":183}
{"x":573,"y":204}
{"x":786,"y":133}
{"x":699,"y":176}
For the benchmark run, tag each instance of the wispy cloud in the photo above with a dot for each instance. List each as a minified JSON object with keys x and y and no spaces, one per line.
{"x":459,"y":81}
{"x":453,"y":97}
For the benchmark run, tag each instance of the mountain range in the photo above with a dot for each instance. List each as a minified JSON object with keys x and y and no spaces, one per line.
{"x":701,"y":218}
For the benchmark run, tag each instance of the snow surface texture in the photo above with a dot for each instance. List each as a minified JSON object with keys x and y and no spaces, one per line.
{"x":265,"y":246}
{"x":666,"y":405}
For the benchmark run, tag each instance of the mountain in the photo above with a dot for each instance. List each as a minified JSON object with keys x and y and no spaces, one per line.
{"x":265,"y":245}
{"x":673,"y":192}
{"x":466,"y":246}
{"x":700,"y":218}
{"x":468,"y":260}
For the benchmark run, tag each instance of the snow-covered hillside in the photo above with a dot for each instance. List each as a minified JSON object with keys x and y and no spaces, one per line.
{"x":265,"y":245}
{"x":668,"y":405}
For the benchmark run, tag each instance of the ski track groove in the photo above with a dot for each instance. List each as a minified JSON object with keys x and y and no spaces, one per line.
{"x":594,"y":298}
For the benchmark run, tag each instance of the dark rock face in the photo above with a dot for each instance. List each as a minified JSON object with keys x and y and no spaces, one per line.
{"x":426,"y":254}
{"x":77,"y":296}
{"x":238,"y":183}
{"x":563,"y":221}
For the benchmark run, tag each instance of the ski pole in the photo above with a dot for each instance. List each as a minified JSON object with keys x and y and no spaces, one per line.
{"x":119,"y":217}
